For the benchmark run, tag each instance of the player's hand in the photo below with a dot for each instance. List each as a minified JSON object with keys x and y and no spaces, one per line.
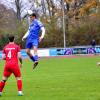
{"x":20,"y":65}
{"x":40,"y":39}
{"x":23,"y":39}
{"x":3,"y":57}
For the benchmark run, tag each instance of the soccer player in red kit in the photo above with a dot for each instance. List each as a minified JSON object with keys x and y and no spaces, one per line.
{"x":11,"y":54}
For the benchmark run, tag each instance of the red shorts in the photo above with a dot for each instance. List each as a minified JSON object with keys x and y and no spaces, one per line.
{"x":9,"y":69}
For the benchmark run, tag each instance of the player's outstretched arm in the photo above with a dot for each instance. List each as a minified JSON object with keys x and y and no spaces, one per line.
{"x":25,"y":36}
{"x":42,"y":35}
{"x":3,"y":57}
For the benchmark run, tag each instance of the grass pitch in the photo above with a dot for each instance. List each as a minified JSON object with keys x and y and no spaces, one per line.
{"x":57,"y":79}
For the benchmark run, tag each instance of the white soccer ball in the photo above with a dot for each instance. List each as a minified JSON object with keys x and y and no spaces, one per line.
{"x":98,"y":64}
{"x":30,"y":12}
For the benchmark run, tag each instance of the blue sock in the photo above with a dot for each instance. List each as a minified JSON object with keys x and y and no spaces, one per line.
{"x":36,"y":57}
{"x":32,"y":58}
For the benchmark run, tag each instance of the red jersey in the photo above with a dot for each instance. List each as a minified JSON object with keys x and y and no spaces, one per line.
{"x":11,"y":53}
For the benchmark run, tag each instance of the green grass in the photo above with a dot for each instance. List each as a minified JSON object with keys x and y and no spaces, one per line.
{"x":57,"y":79}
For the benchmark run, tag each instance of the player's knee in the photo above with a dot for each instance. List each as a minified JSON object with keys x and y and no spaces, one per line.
{"x":18,"y":78}
{"x":28,"y":52}
{"x":3,"y":80}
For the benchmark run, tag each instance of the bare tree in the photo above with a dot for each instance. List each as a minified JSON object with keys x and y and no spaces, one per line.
{"x":18,"y":8}
{"x":43,"y":7}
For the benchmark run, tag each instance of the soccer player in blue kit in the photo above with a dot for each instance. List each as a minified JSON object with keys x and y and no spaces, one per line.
{"x":32,"y":37}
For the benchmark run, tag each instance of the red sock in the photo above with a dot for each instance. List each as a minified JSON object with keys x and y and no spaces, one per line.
{"x":19,"y":85}
{"x":2,"y":84}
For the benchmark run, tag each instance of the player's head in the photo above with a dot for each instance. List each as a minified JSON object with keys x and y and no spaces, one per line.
{"x":32,"y":16}
{"x":11,"y":38}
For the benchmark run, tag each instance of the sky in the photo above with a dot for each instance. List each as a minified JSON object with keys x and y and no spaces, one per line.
{"x":10,"y":5}
{"x":26,"y":5}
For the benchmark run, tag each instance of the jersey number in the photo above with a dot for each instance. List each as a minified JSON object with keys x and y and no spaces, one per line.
{"x":9,"y":54}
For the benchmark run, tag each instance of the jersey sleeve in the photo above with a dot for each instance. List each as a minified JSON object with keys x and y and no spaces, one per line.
{"x":40,"y":24}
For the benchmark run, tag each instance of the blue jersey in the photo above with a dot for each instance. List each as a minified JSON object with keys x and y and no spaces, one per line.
{"x":34,"y":30}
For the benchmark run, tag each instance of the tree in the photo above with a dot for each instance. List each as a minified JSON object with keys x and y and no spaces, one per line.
{"x":7,"y":20}
{"x":18,"y":8}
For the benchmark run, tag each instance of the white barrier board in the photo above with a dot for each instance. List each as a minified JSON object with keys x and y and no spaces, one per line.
{"x":42,"y":53}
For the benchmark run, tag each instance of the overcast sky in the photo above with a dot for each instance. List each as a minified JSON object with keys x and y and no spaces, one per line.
{"x":10,"y":4}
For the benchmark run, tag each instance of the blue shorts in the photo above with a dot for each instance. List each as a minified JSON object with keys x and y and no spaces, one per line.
{"x":30,"y":44}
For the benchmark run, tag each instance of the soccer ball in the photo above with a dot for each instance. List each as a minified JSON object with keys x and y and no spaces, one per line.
{"x":98,"y":64}
{"x":29,"y":12}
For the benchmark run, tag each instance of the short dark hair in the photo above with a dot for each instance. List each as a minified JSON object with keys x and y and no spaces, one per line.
{"x":11,"y":38}
{"x":33,"y":14}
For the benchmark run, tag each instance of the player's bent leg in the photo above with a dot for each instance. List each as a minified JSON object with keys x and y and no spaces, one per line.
{"x":35,"y":57}
{"x":29,"y":54}
{"x":19,"y":86}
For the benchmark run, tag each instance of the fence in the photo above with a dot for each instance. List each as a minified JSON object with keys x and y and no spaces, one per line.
{"x":63,"y":51}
